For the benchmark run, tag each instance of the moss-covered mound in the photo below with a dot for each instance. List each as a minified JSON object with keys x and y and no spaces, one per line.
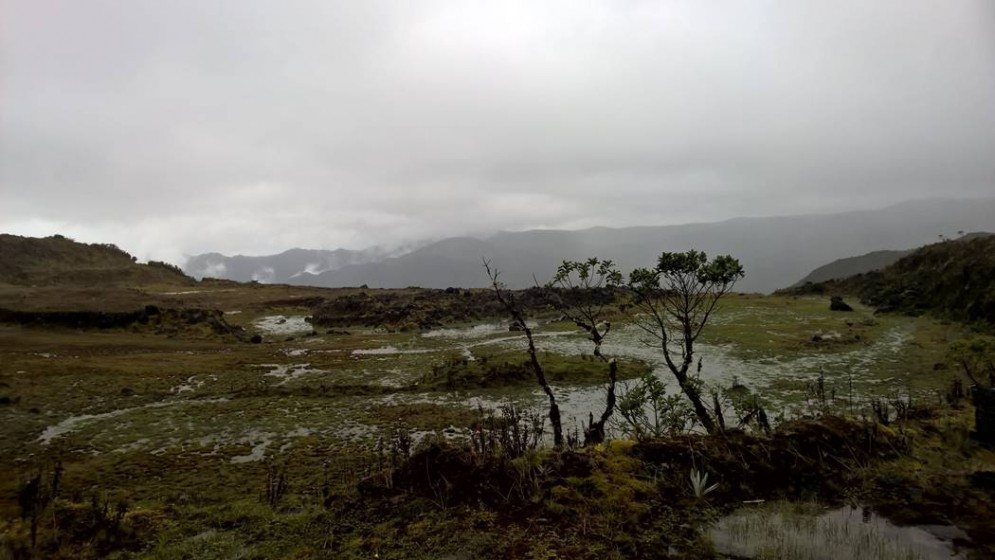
{"x":633,"y":500}
{"x":461,"y":373}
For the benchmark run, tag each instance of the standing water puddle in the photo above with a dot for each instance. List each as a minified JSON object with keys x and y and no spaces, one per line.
{"x":74,"y":423}
{"x":719,"y":366}
{"x":280,"y":325}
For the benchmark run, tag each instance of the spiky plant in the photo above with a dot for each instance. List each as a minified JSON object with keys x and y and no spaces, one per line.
{"x":699,"y":484}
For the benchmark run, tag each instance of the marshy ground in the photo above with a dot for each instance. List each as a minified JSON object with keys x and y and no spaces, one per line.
{"x":188,"y":428}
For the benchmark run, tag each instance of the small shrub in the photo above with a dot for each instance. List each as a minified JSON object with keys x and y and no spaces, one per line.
{"x":648,"y":411}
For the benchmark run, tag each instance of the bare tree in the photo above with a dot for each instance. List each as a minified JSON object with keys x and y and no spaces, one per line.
{"x":582,"y":290}
{"x":507,"y":300}
{"x":676,"y":299}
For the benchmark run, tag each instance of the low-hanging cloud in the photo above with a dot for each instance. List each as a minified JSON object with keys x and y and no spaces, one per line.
{"x":181,"y":127}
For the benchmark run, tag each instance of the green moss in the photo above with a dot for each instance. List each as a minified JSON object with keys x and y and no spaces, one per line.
{"x":510,"y":369}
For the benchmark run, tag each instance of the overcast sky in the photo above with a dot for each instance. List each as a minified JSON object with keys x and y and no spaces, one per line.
{"x":182,"y":127}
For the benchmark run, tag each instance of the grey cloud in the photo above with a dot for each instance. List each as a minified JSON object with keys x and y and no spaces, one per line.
{"x":250,"y":126}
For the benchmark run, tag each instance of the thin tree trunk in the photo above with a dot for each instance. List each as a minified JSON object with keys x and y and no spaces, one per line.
{"x":700,"y":410}
{"x":595,"y":432}
{"x":554,"y":409}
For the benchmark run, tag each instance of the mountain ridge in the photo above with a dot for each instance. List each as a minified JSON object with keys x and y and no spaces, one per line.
{"x":280,"y":267}
{"x":774,"y":249}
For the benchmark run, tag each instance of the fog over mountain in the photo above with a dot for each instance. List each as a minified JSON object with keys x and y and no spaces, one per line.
{"x":290,"y":266}
{"x":776,"y":251}
{"x":185,"y":127}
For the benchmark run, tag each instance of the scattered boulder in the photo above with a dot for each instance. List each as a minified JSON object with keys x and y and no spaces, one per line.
{"x":256,"y":339}
{"x":836,"y":303}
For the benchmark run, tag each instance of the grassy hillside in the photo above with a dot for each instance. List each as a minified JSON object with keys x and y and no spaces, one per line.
{"x":60,"y":261}
{"x":955,"y":279}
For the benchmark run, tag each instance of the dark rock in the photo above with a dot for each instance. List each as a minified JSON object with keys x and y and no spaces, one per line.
{"x":983,"y":399}
{"x":127,"y":392}
{"x":256,"y":339}
{"x":983,"y":479}
{"x":836,"y":303}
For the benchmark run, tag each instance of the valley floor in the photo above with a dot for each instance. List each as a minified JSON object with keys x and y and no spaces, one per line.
{"x":181,"y":442}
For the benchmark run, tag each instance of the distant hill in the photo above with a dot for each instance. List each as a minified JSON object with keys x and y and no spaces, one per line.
{"x":875,"y":260}
{"x":294,"y":266}
{"x":954,"y":278}
{"x":844,"y":268}
{"x":774,"y":250}
{"x":58,"y":260}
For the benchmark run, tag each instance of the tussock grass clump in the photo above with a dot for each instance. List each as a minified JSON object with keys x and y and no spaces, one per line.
{"x":807,"y":532}
{"x":632,"y":499}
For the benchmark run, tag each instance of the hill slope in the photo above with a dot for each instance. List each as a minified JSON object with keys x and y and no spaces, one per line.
{"x":953,"y":278}
{"x":58,"y":260}
{"x":774,"y":250}
{"x":850,"y":266}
